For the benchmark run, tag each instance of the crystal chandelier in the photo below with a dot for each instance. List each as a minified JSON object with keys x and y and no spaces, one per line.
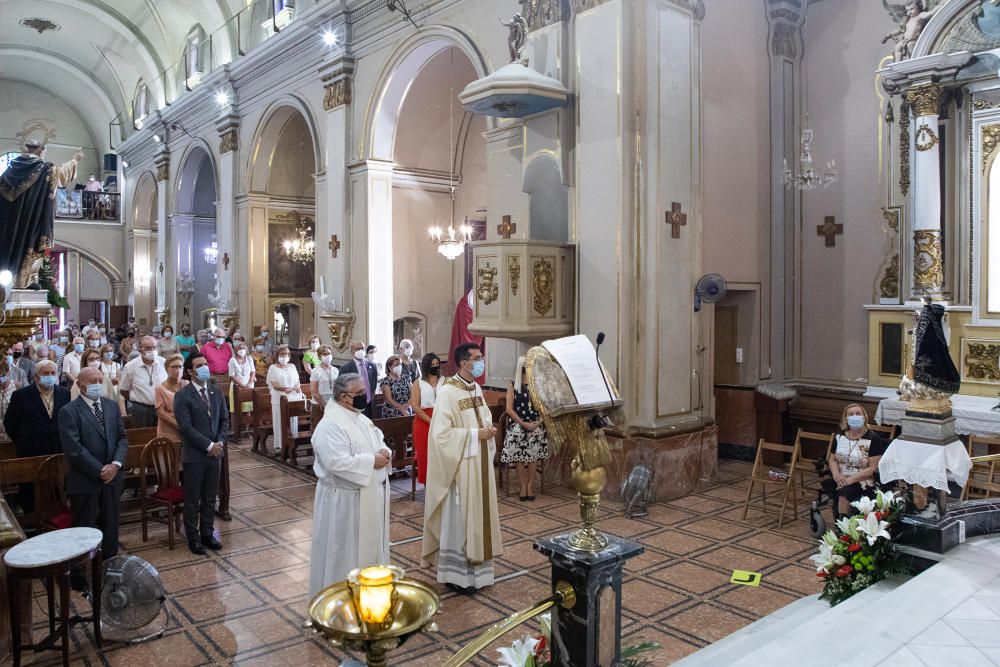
{"x":807,"y":178}
{"x":451,"y":242}
{"x":301,"y":249}
{"x":211,"y":252}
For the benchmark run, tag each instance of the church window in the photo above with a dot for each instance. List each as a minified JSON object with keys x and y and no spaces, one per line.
{"x":140,"y":105}
{"x":5,"y":159}
{"x":196,"y":56}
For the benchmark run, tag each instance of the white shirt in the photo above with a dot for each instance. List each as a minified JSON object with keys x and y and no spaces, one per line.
{"x":140,"y":381}
{"x":428,"y":394}
{"x":71,"y":365}
{"x":324,"y":376}
{"x":244,"y":372}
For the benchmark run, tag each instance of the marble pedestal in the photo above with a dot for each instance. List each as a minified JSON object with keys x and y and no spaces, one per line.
{"x":589,"y":634}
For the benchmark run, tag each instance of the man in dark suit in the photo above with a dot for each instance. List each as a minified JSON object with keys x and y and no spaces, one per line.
{"x":95,"y":446}
{"x":368,"y":372}
{"x":203,"y":421}
{"x":32,"y":421}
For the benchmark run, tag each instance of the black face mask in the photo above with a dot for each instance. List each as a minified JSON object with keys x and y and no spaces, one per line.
{"x":17,"y":355}
{"x":360,"y":402}
{"x":433,"y":370}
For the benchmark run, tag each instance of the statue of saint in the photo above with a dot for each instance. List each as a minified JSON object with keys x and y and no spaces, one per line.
{"x":27,"y":195}
{"x":932,"y":377}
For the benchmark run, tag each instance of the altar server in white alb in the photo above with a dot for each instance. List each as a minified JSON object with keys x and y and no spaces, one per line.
{"x":461,"y":521}
{"x":351,"y":512}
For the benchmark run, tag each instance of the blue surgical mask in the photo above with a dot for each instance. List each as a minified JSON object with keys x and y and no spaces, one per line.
{"x":49,"y":381}
{"x":855,"y":421}
{"x":94,"y":391}
{"x":109,"y":355}
{"x":219,"y":341}
{"x":478,"y":368}
{"x":3,"y":379}
{"x":78,"y":348}
{"x":202,"y":373}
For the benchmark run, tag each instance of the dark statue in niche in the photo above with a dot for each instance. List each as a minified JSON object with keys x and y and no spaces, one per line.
{"x":932,"y":364}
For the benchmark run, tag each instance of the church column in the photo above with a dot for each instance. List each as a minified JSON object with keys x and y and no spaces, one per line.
{"x":225,"y":213}
{"x":252,"y":287}
{"x":331,"y":191}
{"x":369,"y":242}
{"x":928,"y":266}
{"x":164,"y":296}
{"x":143,"y":260}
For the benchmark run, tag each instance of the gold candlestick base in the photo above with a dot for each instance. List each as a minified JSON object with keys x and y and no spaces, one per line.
{"x":588,"y":484}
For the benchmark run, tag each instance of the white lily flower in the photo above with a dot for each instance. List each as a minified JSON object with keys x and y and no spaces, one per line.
{"x":824,"y":558}
{"x":874,"y":529}
{"x":886,"y":500}
{"x":848,"y":526}
{"x":829,"y":538}
{"x":518,"y":653}
{"x":838,"y":560}
{"x":865,"y":505}
{"x":545,"y":620}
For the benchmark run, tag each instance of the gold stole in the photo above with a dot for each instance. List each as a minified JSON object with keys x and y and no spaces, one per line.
{"x":475,"y":402}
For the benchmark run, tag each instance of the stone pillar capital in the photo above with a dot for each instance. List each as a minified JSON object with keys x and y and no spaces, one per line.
{"x":162,"y":164}
{"x":228,"y":127}
{"x":337,"y":76}
{"x":924,"y":99}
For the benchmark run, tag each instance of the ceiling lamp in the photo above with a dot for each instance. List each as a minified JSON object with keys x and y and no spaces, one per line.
{"x":302,"y":248}
{"x":451,"y":243}
{"x":807,"y":178}
{"x":211,"y":252}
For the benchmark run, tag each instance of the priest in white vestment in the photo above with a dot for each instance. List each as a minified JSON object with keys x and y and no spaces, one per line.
{"x":351,"y":512}
{"x":461,"y":521}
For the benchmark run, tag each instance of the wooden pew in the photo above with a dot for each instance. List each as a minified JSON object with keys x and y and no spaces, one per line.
{"x":397,"y":434}
{"x":291,"y":440}
{"x":241,"y":419}
{"x":261,"y":420}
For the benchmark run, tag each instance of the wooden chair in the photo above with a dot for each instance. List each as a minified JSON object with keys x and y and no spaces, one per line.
{"x":888,"y":432}
{"x":241,"y":416}
{"x":814,"y":450}
{"x":162,"y":457}
{"x":261,"y":419}
{"x":760,"y":475}
{"x":983,"y":481}
{"x":397,"y":433}
{"x":291,"y":440}
{"x":52,"y":510}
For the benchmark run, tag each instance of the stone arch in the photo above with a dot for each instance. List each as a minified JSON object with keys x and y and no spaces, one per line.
{"x":268,"y":134}
{"x":393,"y":83}
{"x":143,"y":214}
{"x":196,"y":163}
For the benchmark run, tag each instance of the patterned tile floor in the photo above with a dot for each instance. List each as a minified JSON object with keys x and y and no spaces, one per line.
{"x":245,"y":604}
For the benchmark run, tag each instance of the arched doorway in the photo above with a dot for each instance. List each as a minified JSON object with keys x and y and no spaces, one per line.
{"x":193,"y":260}
{"x":142,"y":250}
{"x":419,"y":126}
{"x":282,"y":187}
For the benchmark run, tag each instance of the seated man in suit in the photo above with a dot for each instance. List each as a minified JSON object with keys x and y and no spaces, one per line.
{"x":368,"y":372}
{"x":95,"y":445}
{"x":203,"y":421}
{"x":32,"y":421}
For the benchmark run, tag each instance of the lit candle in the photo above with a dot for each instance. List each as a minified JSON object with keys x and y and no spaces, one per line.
{"x":375,"y":599}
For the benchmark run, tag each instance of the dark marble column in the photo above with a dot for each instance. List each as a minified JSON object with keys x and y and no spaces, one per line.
{"x":589,"y":634}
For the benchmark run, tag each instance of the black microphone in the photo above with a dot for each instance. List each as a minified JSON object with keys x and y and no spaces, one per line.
{"x":599,"y":421}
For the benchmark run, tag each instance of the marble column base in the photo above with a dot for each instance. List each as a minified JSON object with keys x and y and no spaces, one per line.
{"x":939,"y":431}
{"x":680,"y":462}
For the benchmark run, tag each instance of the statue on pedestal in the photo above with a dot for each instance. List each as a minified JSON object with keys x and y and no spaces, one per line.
{"x":27,"y":195}
{"x":932,"y":377}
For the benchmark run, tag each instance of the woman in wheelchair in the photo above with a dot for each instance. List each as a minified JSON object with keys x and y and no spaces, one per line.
{"x":853,"y":460}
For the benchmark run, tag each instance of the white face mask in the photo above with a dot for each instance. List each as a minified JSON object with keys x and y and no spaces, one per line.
{"x":359,"y":354}
{"x":397,"y":370}
{"x":282,"y":360}
{"x":96,"y":363}
{"x":314,"y":345}
{"x":407,"y":350}
{"x":327,"y":358}
{"x":95,"y":343}
{"x":371,"y":356}
{"x":241,"y":353}
{"x":149,"y":356}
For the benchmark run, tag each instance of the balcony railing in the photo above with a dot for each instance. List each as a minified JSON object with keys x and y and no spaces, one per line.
{"x":252,"y":26}
{"x":90,"y":206}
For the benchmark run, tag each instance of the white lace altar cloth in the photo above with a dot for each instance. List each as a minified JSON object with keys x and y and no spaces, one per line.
{"x":973,"y":414}
{"x":924,"y":464}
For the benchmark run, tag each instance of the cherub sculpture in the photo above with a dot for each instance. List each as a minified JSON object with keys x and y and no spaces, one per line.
{"x":517,"y":36}
{"x":912,"y":17}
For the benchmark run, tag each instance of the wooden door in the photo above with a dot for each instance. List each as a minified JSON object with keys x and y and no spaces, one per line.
{"x":726,"y":369}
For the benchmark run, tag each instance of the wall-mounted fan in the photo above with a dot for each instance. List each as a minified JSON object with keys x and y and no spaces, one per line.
{"x":711,"y":288}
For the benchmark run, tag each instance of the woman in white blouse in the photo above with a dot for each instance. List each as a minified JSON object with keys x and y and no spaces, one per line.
{"x":322,"y":376}
{"x":422,"y":397}
{"x":282,"y":380}
{"x":112,"y":370}
{"x":241,"y":372}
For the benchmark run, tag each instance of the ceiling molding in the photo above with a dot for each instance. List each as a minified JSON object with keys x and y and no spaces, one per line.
{"x":97,"y":145}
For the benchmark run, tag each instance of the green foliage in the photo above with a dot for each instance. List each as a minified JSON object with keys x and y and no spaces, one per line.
{"x":47,"y":281}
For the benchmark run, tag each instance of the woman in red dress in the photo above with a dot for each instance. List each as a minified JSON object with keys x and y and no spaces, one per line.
{"x":422,"y":401}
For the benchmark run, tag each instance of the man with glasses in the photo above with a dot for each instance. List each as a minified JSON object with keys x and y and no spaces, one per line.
{"x":461,"y":520}
{"x":138,"y":382}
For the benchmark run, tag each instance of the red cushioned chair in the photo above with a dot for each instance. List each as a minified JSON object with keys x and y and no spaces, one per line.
{"x":51,"y":509}
{"x":160,"y":461}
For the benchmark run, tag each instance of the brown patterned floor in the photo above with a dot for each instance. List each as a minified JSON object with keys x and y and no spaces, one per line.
{"x":245,"y":604}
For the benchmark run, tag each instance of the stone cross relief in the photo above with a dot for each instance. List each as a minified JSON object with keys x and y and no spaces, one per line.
{"x":333,"y":245}
{"x":830,"y":229}
{"x":676,"y":218}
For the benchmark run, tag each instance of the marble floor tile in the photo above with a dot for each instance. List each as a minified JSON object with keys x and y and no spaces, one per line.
{"x":950,"y":656}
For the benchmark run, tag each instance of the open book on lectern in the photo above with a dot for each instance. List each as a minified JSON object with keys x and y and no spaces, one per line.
{"x":586,"y":374}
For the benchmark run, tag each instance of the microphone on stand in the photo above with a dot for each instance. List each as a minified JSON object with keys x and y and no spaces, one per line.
{"x":599,"y":421}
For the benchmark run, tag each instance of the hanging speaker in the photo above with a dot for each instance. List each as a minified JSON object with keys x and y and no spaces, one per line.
{"x":110,"y":162}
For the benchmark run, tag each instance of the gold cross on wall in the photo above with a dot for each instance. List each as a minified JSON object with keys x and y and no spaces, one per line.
{"x":676,"y":218}
{"x":830,"y":229}
{"x":333,"y":245}
{"x":506,"y":228}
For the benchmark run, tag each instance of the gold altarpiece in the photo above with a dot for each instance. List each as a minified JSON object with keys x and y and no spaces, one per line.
{"x":943,"y":101}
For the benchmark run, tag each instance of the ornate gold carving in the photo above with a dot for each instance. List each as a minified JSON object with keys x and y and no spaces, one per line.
{"x":928,"y":268}
{"x":471,"y":403}
{"x":991,"y":137}
{"x":27,"y":275}
{"x":543,"y":283}
{"x":904,"y":147}
{"x":924,"y":99}
{"x":891,"y":216}
{"x":982,"y":361}
{"x":979,"y":104}
{"x":228,"y":141}
{"x":164,"y":317}
{"x":163,"y":170}
{"x":486,"y":285}
{"x":338,"y":93}
{"x":295,"y":218}
{"x":889,"y":285}
{"x":230,"y":320}
{"x":341,"y":326}
{"x":514,"y":271}
{"x":925,"y":139}
{"x":540,"y":13}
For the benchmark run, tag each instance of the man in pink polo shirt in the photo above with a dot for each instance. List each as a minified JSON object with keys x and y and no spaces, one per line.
{"x":218,"y":353}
